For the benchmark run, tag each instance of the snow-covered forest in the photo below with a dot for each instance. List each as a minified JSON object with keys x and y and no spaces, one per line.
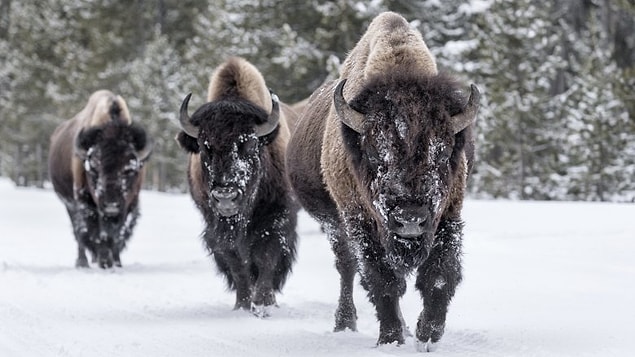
{"x":558,"y":77}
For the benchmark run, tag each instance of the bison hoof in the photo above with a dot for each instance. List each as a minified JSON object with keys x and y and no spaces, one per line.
{"x":345,"y":320}
{"x":81,"y":263}
{"x":105,"y":264}
{"x":242,"y":304}
{"x":391,"y":336}
{"x":429,"y":331}
{"x":262,"y":311}
{"x":427,"y":346}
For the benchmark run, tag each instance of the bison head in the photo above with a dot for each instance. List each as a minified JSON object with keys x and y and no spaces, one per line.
{"x":229,"y":134}
{"x":113,"y":155}
{"x":405,"y":138}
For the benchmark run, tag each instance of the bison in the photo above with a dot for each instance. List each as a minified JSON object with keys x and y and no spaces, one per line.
{"x":380,"y":158}
{"x":96,"y":164}
{"x":236,"y":172}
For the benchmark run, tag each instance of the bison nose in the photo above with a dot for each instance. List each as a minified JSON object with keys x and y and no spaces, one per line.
{"x":225,"y":193}
{"x":408,"y":222}
{"x":225,"y":200}
{"x":111,"y":209}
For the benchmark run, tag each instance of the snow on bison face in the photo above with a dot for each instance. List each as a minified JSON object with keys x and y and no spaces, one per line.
{"x":405,"y":141}
{"x":230,"y":136}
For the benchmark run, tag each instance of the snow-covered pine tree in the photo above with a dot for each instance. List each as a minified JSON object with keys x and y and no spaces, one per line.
{"x":600,"y":136}
{"x":514,"y":63}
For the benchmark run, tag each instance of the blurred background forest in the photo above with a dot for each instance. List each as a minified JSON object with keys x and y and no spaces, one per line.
{"x":557,"y":120}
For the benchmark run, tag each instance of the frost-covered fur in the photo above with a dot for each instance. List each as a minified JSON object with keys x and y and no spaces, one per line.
{"x":255,"y":247}
{"x":96,"y":166}
{"x":405,"y":164}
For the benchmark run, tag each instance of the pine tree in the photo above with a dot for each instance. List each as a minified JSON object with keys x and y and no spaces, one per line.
{"x":155,"y":86}
{"x":600,"y":137}
{"x":516,"y":57}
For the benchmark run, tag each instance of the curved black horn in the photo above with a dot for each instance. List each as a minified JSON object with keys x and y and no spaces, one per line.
{"x":349,"y":116}
{"x":144,"y":154}
{"x":468,"y":116}
{"x":271,"y":124}
{"x":184,"y":119}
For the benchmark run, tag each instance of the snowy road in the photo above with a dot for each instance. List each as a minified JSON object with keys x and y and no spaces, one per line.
{"x":540,"y":279}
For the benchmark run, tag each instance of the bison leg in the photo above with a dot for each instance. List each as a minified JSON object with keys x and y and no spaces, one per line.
{"x":385,"y":288}
{"x":82,"y":220}
{"x":264,"y":259}
{"x":116,"y":259}
{"x":346,"y":264}
{"x":437,"y":280}
{"x":104,"y":256}
{"x":272,"y":255}
{"x":82,"y":261}
{"x":124,"y":234}
{"x":230,"y":265}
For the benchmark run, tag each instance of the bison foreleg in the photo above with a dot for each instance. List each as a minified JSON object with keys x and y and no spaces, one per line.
{"x":84,"y":221}
{"x":385,"y":288}
{"x":82,"y":261}
{"x":437,"y":280}
{"x":124,"y":234}
{"x":104,"y":256}
{"x":262,"y":295}
{"x":235,"y":271}
{"x":346,"y":264}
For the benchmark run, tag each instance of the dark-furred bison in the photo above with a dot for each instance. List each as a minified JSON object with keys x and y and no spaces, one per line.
{"x":237,"y":179}
{"x":380,"y":158}
{"x":96,"y":165}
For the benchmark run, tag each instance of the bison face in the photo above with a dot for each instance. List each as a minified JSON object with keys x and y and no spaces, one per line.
{"x":405,"y":139}
{"x":229,"y":136}
{"x":113,"y":155}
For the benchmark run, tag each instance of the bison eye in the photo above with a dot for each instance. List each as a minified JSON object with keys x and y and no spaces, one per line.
{"x":129,"y":172}
{"x":248,"y":146}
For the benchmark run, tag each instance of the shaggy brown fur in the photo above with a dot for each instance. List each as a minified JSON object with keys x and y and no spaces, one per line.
{"x":238,"y":78}
{"x":238,"y":182}
{"x":96,"y":112}
{"x":388,"y":184}
{"x":102,"y":203}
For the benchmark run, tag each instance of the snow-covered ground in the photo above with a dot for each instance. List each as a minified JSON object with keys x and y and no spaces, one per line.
{"x":540,"y":279}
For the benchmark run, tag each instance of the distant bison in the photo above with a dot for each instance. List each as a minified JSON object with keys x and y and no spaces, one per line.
{"x":96,"y":165}
{"x":236,"y":172}
{"x":380,"y":157}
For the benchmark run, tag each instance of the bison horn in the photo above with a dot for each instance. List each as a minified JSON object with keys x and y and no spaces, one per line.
{"x":271,"y":124}
{"x":184,"y":119}
{"x":468,"y":116}
{"x":144,"y":154}
{"x":349,"y":116}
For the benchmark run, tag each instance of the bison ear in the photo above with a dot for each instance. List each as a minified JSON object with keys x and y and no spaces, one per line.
{"x":140,"y":142}
{"x":468,"y":115}
{"x":85,"y":139}
{"x":187,"y":142}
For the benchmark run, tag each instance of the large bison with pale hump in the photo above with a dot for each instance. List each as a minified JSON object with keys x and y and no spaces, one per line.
{"x":236,"y":172}
{"x":380,"y":158}
{"x":96,"y":164}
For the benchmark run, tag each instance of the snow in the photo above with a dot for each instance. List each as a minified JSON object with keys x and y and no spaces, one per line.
{"x":540,"y":279}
